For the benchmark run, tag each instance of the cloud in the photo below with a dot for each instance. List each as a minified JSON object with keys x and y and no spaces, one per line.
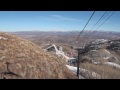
{"x":59,"y":17}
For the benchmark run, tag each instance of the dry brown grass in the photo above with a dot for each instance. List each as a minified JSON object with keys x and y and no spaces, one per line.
{"x":28,"y":60}
{"x":105,"y":71}
{"x":65,"y":41}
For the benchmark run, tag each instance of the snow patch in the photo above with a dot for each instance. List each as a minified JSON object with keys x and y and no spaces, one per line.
{"x":84,"y":71}
{"x":107,"y":51}
{"x":2,"y":38}
{"x":116,"y":58}
{"x":74,"y":70}
{"x":59,"y":52}
{"x":113,"y":64}
{"x":106,"y":57}
{"x":96,"y":62}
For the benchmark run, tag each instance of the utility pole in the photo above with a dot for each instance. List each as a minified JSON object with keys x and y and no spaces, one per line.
{"x":80,"y":51}
{"x":78,"y":63}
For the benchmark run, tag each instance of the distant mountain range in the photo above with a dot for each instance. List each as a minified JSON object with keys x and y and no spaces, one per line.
{"x":85,"y":33}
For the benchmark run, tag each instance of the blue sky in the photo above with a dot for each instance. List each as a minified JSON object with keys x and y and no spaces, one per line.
{"x":55,"y":21}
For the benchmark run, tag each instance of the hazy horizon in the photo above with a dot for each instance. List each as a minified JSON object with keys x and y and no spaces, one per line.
{"x":59,"y":31}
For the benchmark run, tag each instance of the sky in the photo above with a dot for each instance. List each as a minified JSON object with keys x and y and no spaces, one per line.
{"x":11,"y":21}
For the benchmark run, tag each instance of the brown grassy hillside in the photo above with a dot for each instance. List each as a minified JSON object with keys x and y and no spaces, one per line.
{"x":20,"y":58}
{"x":105,"y":71}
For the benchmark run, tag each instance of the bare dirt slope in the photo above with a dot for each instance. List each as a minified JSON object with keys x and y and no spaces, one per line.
{"x":20,"y":58}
